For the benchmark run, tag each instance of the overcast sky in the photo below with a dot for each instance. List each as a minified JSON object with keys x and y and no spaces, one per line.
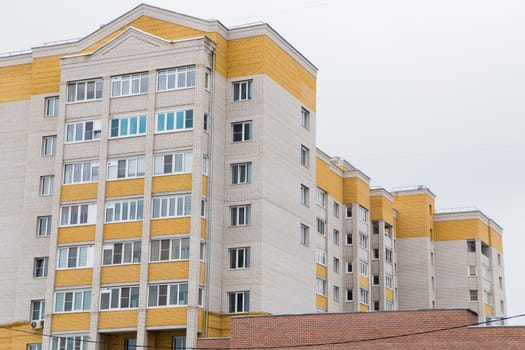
{"x":409,"y":91}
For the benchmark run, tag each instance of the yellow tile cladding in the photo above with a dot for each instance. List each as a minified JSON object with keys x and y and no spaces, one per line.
{"x":381,"y":209}
{"x":496,"y":241}
{"x":363,"y":308}
{"x":356,"y":190}
{"x":168,"y":270}
{"x":117,"y":319}
{"x":171,"y":183}
{"x":321,"y":301}
{"x":203,"y":228}
{"x":461,"y":229}
{"x":389,"y":294}
{"x":202,"y":272}
{"x":120,"y":274}
{"x":121,"y":188}
{"x":74,"y":321}
{"x":204,"y":186}
{"x":122,"y":230}
{"x":79,"y":192}
{"x":18,"y":335}
{"x":488,"y":310}
{"x":363,"y":281}
{"x":117,"y":341}
{"x":75,"y":234}
{"x":73,"y":277}
{"x":16,"y":83}
{"x":328,"y":180}
{"x":161,"y":227}
{"x":320,"y":270}
{"x":166,"y":316}
{"x":414,"y":217}
{"x":161,"y":339}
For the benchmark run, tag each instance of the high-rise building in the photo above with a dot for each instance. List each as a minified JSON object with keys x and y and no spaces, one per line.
{"x":161,"y":175}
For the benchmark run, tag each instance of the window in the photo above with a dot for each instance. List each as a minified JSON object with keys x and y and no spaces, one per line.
{"x":172,"y":206}
{"x":349,"y":294}
{"x":243,"y":90}
{"x":77,"y":214}
{"x":83,"y":131}
{"x":473,"y":295}
{"x":34,"y":347}
{"x":363,"y":240}
{"x":363,"y":268}
{"x":375,"y":227}
{"x":472,"y":270}
{"x":49,"y":145}
{"x":124,"y":210}
{"x":499,"y":259}
{"x":432,"y":258}
{"x":173,"y":294}
{"x":47,"y":185}
{"x":502,"y":306}
{"x":130,"y":344}
{"x":43,"y":226}
{"x":348,"y":212}
{"x":121,"y":253}
{"x":305,"y":156}
{"x":335,"y":236}
{"x":84,"y":90}
{"x":304,"y":235}
{"x":485,"y":272}
{"x":486,"y":297}
{"x":349,"y":240}
{"x":349,"y":268}
{"x":363,"y":214}
{"x":363,"y":296}
{"x":174,"y":120}
{"x":126,"y":168}
{"x":207,"y":79}
{"x":304,"y":195}
{"x":205,"y":162}
{"x":500,"y":280}
{"x":38,"y":308}
{"x":239,"y":258}
{"x":119,"y":298}
{"x":242,"y":131}
{"x":336,"y":293}
{"x":375,"y":279}
{"x":75,"y":257}
{"x":471,"y":246}
{"x":40,"y":267}
{"x":321,"y":226}
{"x":129,"y":84}
{"x":321,"y":197}
{"x":320,"y":257}
{"x":51,"y":106}
{"x":173,"y":163}
{"x":336,"y":265}
{"x":73,"y":301}
{"x":305,"y":118}
{"x":203,"y":207}
{"x":80,"y":172}
{"x":128,"y":126}
{"x":170,"y":249}
{"x":70,"y":342}
{"x":179,"y":343}
{"x":240,"y":215}
{"x":376,"y":305}
{"x":200,"y":297}
{"x":388,"y":255}
{"x":238,"y":302}
{"x":335,"y":209}
{"x":389,"y":306}
{"x":388,"y":281}
{"x":375,"y":253}
{"x":321,"y":286}
{"x":176,"y":78}
{"x":241,"y":173}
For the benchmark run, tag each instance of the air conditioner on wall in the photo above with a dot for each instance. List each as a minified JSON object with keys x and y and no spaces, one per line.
{"x":37,"y":324}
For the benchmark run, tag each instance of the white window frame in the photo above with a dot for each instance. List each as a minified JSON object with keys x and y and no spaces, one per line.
{"x":320,"y":286}
{"x":389,"y":281}
{"x":34,"y":346}
{"x":241,"y":215}
{"x":129,"y":84}
{"x":176,"y":78}
{"x":348,"y":212}
{"x":81,"y":257}
{"x":245,"y":133}
{"x":49,"y":145}
{"x":207,"y":79}
{"x":155,"y":290}
{"x":133,"y":167}
{"x":127,"y":253}
{"x":240,"y":301}
{"x":94,"y":134}
{"x":43,"y":225}
{"x":364,"y":296}
{"x":363,"y":214}
{"x":239,"y":258}
{"x":40,"y":271}
{"x":124,"y":210}
{"x":170,"y":249}
{"x":375,"y":254}
{"x":336,"y":264}
{"x":81,"y":172}
{"x":47,"y":185}
{"x":51,"y":105}
{"x":78,"y":342}
{"x":38,"y":306}
{"x":242,"y":90}
{"x":123,"y":126}
{"x":473,"y":295}
{"x":336,"y":292}
{"x":163,"y":120}
{"x":305,"y":118}
{"x":73,"y":95}
{"x":173,"y":206}
{"x":305,"y":156}
{"x":321,"y":197}
{"x":179,"y":343}
{"x":241,"y":173}
{"x":336,"y":208}
{"x":305,"y":200}
{"x":389,"y":254}
{"x":320,"y":257}
{"x":375,"y":279}
{"x":363,"y":268}
{"x":85,"y":214}
{"x":173,"y":163}
{"x":80,"y":300}
{"x":336,"y":236}
{"x":321,"y":226}
{"x":122,"y":302}
{"x":363,"y":240}
{"x":304,"y":235}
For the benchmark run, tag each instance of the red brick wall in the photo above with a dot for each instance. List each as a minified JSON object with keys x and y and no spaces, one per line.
{"x":343,"y":331}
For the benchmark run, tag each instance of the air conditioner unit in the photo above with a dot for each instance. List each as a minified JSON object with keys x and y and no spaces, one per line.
{"x":37,"y":324}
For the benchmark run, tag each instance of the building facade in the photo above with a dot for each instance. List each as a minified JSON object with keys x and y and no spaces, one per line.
{"x":164,"y":176}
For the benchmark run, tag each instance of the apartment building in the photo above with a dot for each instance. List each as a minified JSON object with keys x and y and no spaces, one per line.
{"x":164,"y":176}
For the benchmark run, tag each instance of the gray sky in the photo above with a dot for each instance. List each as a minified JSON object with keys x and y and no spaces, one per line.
{"x":409,"y":91}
